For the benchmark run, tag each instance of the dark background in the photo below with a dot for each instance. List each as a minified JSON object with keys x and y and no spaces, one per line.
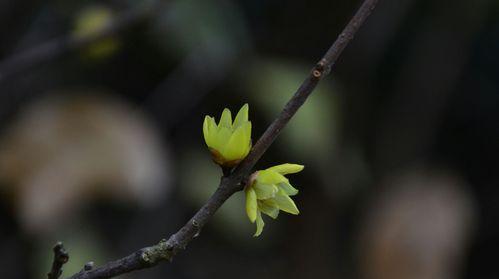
{"x":101,"y":147}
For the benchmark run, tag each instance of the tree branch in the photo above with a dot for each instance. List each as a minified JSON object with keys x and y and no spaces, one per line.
{"x":57,"y":47}
{"x":60,"y":258}
{"x":233,"y":182}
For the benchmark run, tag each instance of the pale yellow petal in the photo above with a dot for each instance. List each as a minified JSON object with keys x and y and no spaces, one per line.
{"x":226,"y":119}
{"x":237,"y":146}
{"x":205,"y":130}
{"x":270,"y":177}
{"x":221,"y":138}
{"x":272,"y":211}
{"x":247,"y":134}
{"x":259,"y":224}
{"x":209,"y":130}
{"x":246,"y":143}
{"x":265,"y":191}
{"x":242,"y":116}
{"x":251,"y":204}
{"x":287,"y":168}
{"x":285,"y":203}
{"x":288,"y":189}
{"x":269,"y":202}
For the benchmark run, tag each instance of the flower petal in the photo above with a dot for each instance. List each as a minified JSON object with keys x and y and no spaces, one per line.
{"x":226,"y":119}
{"x":247,"y":132}
{"x":237,"y":146}
{"x":265,"y":191}
{"x":285,"y":203}
{"x":221,"y":138}
{"x":287,"y":168}
{"x":270,"y":177}
{"x":206,"y":129}
{"x":270,"y":202}
{"x":242,"y":116}
{"x":288,"y":189}
{"x":272,"y":211}
{"x":259,"y":224}
{"x":209,"y":130}
{"x":251,"y":204}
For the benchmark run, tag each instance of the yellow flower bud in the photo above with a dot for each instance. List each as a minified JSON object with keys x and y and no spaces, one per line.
{"x":229,"y":142}
{"x":268,"y":192}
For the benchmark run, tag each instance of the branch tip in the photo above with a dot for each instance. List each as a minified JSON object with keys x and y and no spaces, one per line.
{"x":61,"y":257}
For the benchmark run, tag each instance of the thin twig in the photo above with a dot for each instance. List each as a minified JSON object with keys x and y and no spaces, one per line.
{"x":55,"y":48}
{"x":60,"y":258}
{"x":167,"y":249}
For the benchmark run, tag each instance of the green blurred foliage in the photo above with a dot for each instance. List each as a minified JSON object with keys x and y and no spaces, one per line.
{"x":313,"y":133}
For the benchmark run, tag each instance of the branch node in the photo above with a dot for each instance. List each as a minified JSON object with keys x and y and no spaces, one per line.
{"x":316,"y":73}
{"x":322,"y":63}
{"x":164,"y":250}
{"x":322,"y":68}
{"x":145,"y":257}
{"x":88,"y":266}
{"x":60,"y":258}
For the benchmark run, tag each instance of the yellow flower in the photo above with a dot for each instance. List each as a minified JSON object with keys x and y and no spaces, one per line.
{"x":268,"y":191}
{"x":229,"y":142}
{"x":90,"y":22}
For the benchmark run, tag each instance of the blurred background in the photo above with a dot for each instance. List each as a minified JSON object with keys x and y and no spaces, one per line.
{"x":101,"y":147}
